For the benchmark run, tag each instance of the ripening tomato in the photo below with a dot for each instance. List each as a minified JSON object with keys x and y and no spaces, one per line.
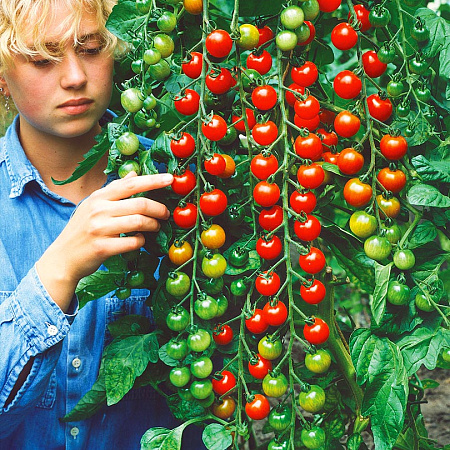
{"x":266,"y":194}
{"x":269,"y":248}
{"x":180,"y":252}
{"x":275,"y":313}
{"x":193,"y":7}
{"x":309,"y":229}
{"x":362,"y":224}
{"x":265,"y":133}
{"x":377,"y":247}
{"x":183,"y":146}
{"x":230,"y":167}
{"x":219,"y":43}
{"x":317,"y":333}
{"x":392,"y":180}
{"x":362,"y":14}
{"x":213,"y":237}
{"x":357,"y":193}
{"x":310,"y":177}
{"x":312,"y":262}
{"x":389,"y":207}
{"x":305,"y":75}
{"x":347,"y":84}
{"x":313,"y":293}
{"x":379,"y":108}
{"x":270,"y":347}
{"x":270,"y":219}
{"x":184,"y":183}
{"x":308,"y":147}
{"x":346,"y":124}
{"x":312,"y":400}
{"x":350,"y":161}
{"x":372,"y":65}
{"x":258,"y":407}
{"x":343,"y":36}
{"x":318,"y":362}
{"x":259,"y":367}
{"x":393,"y":147}
{"x":267,"y":284}
{"x":213,"y":203}
{"x":300,"y":201}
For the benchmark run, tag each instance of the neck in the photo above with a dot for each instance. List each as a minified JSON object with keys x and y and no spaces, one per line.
{"x":57,"y":157}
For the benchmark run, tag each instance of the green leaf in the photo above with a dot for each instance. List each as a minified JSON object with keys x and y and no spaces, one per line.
{"x":426,"y":195}
{"x":97,"y":285}
{"x":125,"y":360}
{"x":116,"y":264}
{"x":146,"y":163}
{"x":424,"y":233}
{"x":252,"y":8}
{"x":378,"y":300}
{"x":165,"y":358}
{"x":131,"y":325}
{"x":379,"y":365}
{"x":184,"y":410}
{"x":432,"y":170}
{"x":429,"y":384}
{"x":322,"y":54}
{"x":423,"y":346}
{"x":125,"y":20}
{"x":92,"y":402}
{"x":354,"y":441}
{"x":161,"y":152}
{"x":90,"y":159}
{"x":153,"y":438}
{"x":216,"y":437}
{"x":331,"y":168}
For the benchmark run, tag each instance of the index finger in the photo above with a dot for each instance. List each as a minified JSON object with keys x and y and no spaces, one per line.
{"x":131,"y":185}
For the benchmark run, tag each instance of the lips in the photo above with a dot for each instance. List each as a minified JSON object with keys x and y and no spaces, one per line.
{"x":75,"y":102}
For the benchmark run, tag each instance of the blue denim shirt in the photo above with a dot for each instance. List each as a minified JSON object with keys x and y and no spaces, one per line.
{"x":67,"y":347}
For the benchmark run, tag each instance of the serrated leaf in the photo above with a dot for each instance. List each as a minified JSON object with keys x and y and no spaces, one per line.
{"x":378,"y":300}
{"x":423,"y":346}
{"x":424,"y":233}
{"x":153,"y":438}
{"x":432,"y":170}
{"x":90,"y":159}
{"x":130,"y":325}
{"x":125,"y":20}
{"x":125,"y":360}
{"x":216,"y":437}
{"x":427,"y":195}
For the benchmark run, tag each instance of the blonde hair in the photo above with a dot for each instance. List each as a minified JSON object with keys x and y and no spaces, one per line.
{"x":22,"y":20}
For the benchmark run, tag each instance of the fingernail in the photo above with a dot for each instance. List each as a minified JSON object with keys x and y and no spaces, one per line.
{"x":167,"y":178}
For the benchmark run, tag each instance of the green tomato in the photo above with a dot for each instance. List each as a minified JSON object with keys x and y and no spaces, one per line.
{"x":122,"y":293}
{"x":152,"y":56}
{"x":377,"y":247}
{"x":222,"y":305}
{"x":362,"y":224}
{"x":208,"y":401}
{"x":270,"y":348}
{"x":239,"y":287}
{"x":423,"y":94}
{"x":143,"y":6}
{"x":164,"y":44}
{"x":206,"y":307}
{"x":185,"y":394}
{"x":167,"y":22}
{"x":314,"y":438}
{"x":127,"y":143}
{"x":132,"y":100}
{"x":274,"y":386}
{"x":180,"y":376}
{"x":202,"y":367}
{"x":178,"y":284}
{"x":214,"y":266}
{"x":275,"y":444}
{"x":286,"y":40}
{"x":395,"y":88}
{"x":312,"y":400}
{"x":446,"y":355}
{"x":135,"y":278}
{"x":404,"y":259}
{"x":128,"y":167}
{"x":379,"y":17}
{"x":280,"y":418}
{"x":303,"y":32}
{"x":150,"y":102}
{"x":250,"y":79}
{"x":201,"y":389}
{"x":160,"y":71}
{"x":239,"y":257}
{"x":310,"y":9}
{"x":211,"y":285}
{"x":177,"y":319}
{"x":423,"y":303}
{"x":397,"y":293}
{"x":199,"y":341}
{"x":393,"y":233}
{"x":387,"y":54}
{"x":292,"y":17}
{"x":318,"y":362}
{"x":403,"y":109}
{"x":177,"y":349}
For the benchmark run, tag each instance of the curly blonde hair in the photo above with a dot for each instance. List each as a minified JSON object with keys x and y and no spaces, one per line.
{"x":22,"y":21}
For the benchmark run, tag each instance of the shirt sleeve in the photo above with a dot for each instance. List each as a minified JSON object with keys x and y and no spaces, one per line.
{"x":31,"y":325}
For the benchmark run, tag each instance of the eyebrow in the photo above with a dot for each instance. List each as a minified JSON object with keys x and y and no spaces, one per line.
{"x":54,"y":46}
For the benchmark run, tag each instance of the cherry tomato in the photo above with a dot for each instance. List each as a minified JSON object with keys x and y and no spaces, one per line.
{"x":275,"y":313}
{"x":379,"y":108}
{"x":350,"y":161}
{"x":318,"y":362}
{"x":256,"y":324}
{"x":266,"y":194}
{"x":261,"y":63}
{"x":404,"y":259}
{"x":215,"y":165}
{"x":280,"y":417}
{"x":213,"y":237}
{"x":128,"y":167}
{"x":397,"y":293}
{"x":219,"y":83}
{"x":343,"y":36}
{"x":201,"y":389}
{"x":184,"y":183}
{"x":292,"y":17}
{"x":193,"y":7}
{"x":267,"y":284}
{"x":264,"y":97}
{"x":226,"y":382}
{"x":305,"y":75}
{"x":185,"y":216}
{"x":265,"y":133}
{"x":393,"y":147}
{"x":313,"y":262}
{"x":362,"y":15}
{"x":188,"y":103}
{"x":357,"y":193}
{"x":377,"y":247}
{"x":214,"y":265}
{"x":225,"y":409}
{"x":180,"y":376}
{"x":219,"y":43}
{"x":180,"y":252}
{"x":329,"y":5}
{"x":230,"y":166}
{"x":215,"y":129}
{"x":239,"y":257}
{"x":317,"y":333}
{"x":346,"y":124}
{"x":132,"y":100}
{"x":198,"y":341}
{"x":258,"y":408}
{"x":308,"y":108}
{"x":290,"y":97}
{"x":331,"y":158}
{"x":392,"y":233}
{"x":240,"y":124}
{"x":308,"y":147}
{"x":193,"y":67}
{"x":270,"y":219}
{"x":206,"y":307}
{"x":274,"y":386}
{"x":265,"y":35}
{"x":314,"y":293}
{"x":423,"y":303}
{"x":222,"y":334}
{"x":309,"y":229}
{"x":300,"y":201}
{"x":269,"y":248}
{"x":389,"y":207}
{"x":127,"y":143}
{"x":310,"y":177}
{"x":177,"y":319}
{"x":270,"y":348}
{"x":362,"y":224}
{"x":177,"y":349}
{"x":313,"y":438}
{"x":259,"y":367}
{"x":248,"y":36}
{"x":184,"y":146}
{"x":213,"y":203}
{"x":309,"y":124}
{"x":300,"y":32}
{"x":201,"y":367}
{"x":347,"y":84}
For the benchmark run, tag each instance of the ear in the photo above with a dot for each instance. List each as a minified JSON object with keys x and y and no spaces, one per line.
{"x":4,"y":86}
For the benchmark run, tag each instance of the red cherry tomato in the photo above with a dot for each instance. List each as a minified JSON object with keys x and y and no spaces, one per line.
{"x":330,"y":157}
{"x":350,"y":161}
{"x":269,"y":249}
{"x":308,"y":108}
{"x":215,"y":129}
{"x":317,"y":333}
{"x":266,"y":194}
{"x":267,"y":284}
{"x":258,"y":408}
{"x":310,"y":124}
{"x":263,"y":166}
{"x":187,"y":104}
{"x":313,"y":262}
{"x":347,"y":84}
{"x":260,"y":368}
{"x":193,"y":67}
{"x":310,"y":177}
{"x":261,"y":63}
{"x":184,"y":183}
{"x":305,"y":75}
{"x":309,"y":229}
{"x":222,"y":334}
{"x":219,"y":43}
{"x":185,"y":216}
{"x":290,"y":97}
{"x":380,"y":109}
{"x":265,"y":133}
{"x":329,"y":5}
{"x":357,"y":193}
{"x":215,"y":165}
{"x":225,"y":383}
{"x":183,"y":147}
{"x":256,"y":324}
{"x":343,"y":36}
{"x":240,"y":125}
{"x":265,"y":35}
{"x":308,"y":147}
{"x":392,"y":180}
{"x":346,"y":124}
{"x":362,"y":14}
{"x":264,"y":97}
{"x":213,"y":203}
{"x":305,"y":202}
{"x":219,"y":83}
{"x":270,"y":219}
{"x":393,"y":147}
{"x":275,"y":314}
{"x":327,"y":138}
{"x":372,"y":65}
{"x":313,"y":294}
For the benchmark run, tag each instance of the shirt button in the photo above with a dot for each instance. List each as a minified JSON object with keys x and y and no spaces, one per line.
{"x":52,"y":330}
{"x":76,"y":363}
{"x":74,"y":431}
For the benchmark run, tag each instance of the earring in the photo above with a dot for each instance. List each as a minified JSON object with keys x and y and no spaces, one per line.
{"x":6,"y":99}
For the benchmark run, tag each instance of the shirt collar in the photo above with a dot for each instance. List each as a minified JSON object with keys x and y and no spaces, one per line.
{"x":20,"y":169}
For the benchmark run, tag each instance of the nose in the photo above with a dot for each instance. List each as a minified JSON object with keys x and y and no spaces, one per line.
{"x":73,"y":73}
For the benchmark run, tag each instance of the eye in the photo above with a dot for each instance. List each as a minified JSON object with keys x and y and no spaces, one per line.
{"x":41,"y":62}
{"x":91,"y":50}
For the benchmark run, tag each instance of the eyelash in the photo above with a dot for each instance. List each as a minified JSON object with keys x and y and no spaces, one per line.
{"x":41,"y":63}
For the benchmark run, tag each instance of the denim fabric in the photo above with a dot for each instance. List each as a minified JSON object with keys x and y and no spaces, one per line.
{"x":67,"y":347}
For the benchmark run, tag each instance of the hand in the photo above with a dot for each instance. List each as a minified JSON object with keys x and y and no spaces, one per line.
{"x":93,"y":233}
